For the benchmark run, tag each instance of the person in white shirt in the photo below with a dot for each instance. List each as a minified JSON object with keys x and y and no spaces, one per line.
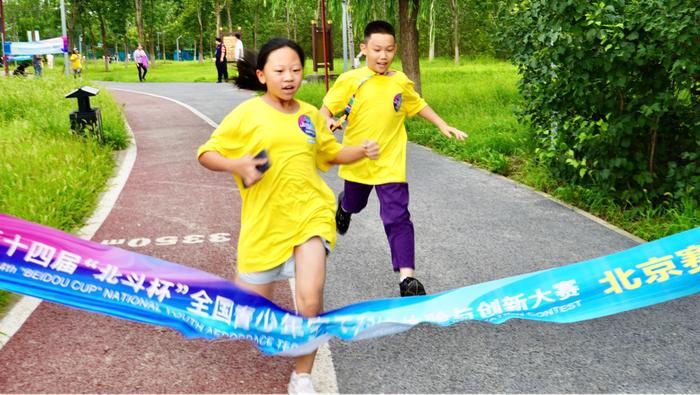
{"x":238,"y":51}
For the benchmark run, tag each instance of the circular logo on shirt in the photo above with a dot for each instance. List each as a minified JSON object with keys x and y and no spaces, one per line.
{"x":307,"y":127}
{"x":398,"y":99}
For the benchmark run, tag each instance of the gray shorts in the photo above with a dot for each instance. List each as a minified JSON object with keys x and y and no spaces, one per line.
{"x":282,"y":272}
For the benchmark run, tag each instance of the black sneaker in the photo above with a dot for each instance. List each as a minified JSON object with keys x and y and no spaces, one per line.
{"x":342,"y":217}
{"x":411,"y":287}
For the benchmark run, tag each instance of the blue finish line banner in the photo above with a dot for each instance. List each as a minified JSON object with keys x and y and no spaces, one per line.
{"x":49,"y":264}
{"x":42,"y":47}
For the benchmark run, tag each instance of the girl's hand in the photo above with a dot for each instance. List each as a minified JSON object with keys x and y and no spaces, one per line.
{"x":371,"y":149}
{"x":246,"y":168}
{"x":449,"y":131}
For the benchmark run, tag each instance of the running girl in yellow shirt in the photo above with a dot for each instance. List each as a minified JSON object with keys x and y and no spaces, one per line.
{"x":273,"y":145}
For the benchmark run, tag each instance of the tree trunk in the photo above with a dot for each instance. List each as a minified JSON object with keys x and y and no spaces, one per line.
{"x":286,"y":12}
{"x":126,"y":51}
{"x":152,"y":37}
{"x":255,"y":28}
{"x":431,"y":31}
{"x":408,"y":18}
{"x":91,"y":47}
{"x":218,"y":7}
{"x":227,"y":6}
{"x":103,"y":34}
{"x":351,"y":35}
{"x":139,"y":19}
{"x":201,"y":34}
{"x":74,"y":11}
{"x":455,"y":28}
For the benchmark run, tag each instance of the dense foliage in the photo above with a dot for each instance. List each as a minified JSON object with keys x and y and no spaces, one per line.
{"x":612,"y":90}
{"x":166,"y":20}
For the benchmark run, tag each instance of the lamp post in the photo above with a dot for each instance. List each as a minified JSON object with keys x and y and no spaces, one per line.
{"x":4,"y":57}
{"x":66,"y":65}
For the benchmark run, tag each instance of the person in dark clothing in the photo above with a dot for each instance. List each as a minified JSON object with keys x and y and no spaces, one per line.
{"x":221,"y":69}
{"x":20,"y":71}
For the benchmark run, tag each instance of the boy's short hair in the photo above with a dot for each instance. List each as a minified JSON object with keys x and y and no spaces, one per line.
{"x":238,"y":35}
{"x":381,"y":27}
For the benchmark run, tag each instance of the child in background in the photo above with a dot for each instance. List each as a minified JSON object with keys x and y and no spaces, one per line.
{"x":76,"y":63}
{"x":378,"y":99}
{"x":287,"y":219}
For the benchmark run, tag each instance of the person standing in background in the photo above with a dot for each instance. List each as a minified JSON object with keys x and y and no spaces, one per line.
{"x":76,"y":63}
{"x":141,"y":60}
{"x":36,"y":62}
{"x":221,"y":69}
{"x":238,"y":52}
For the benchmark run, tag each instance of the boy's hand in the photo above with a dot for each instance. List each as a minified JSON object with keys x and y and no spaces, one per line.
{"x":331,"y":124}
{"x":371,"y":149}
{"x":449,"y":131}
{"x":248,"y":171}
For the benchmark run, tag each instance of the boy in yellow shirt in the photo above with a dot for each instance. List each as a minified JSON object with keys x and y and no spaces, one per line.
{"x":377,"y":100}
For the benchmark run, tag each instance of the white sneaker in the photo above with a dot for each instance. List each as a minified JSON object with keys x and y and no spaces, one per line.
{"x":300,"y":383}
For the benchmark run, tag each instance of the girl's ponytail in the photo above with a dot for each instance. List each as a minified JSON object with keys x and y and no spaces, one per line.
{"x":247,"y":79}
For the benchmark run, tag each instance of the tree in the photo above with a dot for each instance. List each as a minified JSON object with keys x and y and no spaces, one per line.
{"x":138,"y":7}
{"x":455,"y":28}
{"x":431,"y":31}
{"x":75,"y":7}
{"x":408,"y":43}
{"x":612,"y":90}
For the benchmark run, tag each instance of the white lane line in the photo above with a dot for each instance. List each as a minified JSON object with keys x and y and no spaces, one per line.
{"x":20,"y":312}
{"x":187,"y":106}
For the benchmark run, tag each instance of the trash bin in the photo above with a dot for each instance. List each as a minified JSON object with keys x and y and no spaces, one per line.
{"x":86,"y":120}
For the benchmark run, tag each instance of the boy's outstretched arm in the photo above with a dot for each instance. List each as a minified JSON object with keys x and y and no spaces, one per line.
{"x":244,"y":167}
{"x":445,"y":129}
{"x":368,"y":149}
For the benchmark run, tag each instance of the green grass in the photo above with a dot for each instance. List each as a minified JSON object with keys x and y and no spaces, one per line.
{"x":48,"y":174}
{"x":164,"y":71}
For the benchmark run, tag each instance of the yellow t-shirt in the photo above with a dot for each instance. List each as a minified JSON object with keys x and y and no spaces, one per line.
{"x":75,"y":61}
{"x":378,"y":113}
{"x":291,"y":203}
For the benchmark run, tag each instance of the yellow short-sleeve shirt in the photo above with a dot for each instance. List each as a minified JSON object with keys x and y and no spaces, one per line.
{"x":75,"y":62}
{"x":291,"y":203}
{"x":380,"y":107}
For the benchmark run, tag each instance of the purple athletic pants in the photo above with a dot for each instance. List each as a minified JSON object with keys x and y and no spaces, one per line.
{"x":393,"y":209}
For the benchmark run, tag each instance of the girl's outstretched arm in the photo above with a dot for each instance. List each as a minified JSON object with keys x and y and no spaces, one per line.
{"x":368,"y":149}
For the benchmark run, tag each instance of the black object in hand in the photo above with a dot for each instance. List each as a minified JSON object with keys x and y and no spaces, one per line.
{"x":263,"y":155}
{"x":261,"y":168}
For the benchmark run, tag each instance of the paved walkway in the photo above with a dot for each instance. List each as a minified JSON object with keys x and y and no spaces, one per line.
{"x":471,"y":227}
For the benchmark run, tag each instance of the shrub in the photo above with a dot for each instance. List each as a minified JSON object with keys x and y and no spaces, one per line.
{"x":612,"y":92}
